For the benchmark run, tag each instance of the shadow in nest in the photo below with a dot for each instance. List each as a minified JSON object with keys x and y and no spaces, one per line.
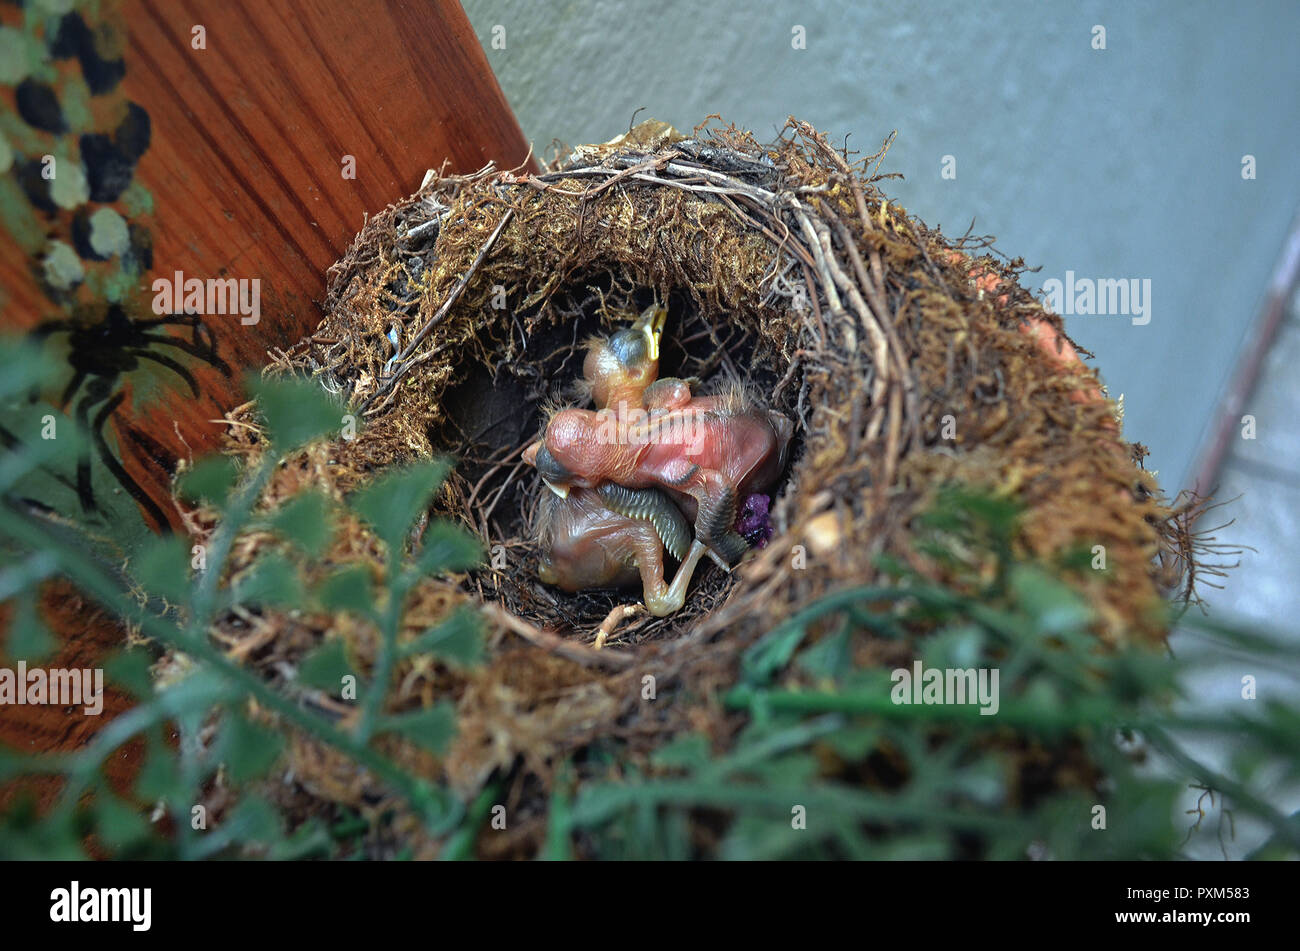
{"x":495,"y":412}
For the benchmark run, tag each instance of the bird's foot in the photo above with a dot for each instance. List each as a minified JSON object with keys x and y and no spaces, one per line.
{"x":730,"y":546}
{"x":670,"y":599}
{"x":713,"y":525}
{"x":613,"y":620}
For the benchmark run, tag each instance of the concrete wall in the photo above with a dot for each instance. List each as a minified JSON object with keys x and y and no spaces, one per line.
{"x":1117,"y":163}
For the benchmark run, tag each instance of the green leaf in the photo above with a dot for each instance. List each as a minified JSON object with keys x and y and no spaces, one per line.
{"x":558,"y":846}
{"x":271,"y":580}
{"x":598,"y":802}
{"x":983,"y":782}
{"x":917,"y":847}
{"x":118,"y":824}
{"x":27,"y":365}
{"x":56,"y":836}
{"x":42,"y":439}
{"x":306,"y":521}
{"x":326,"y":666}
{"x":248,"y":749}
{"x":792,"y":768}
{"x":829,"y":657}
{"x":960,"y":646}
{"x":254,"y":820}
{"x":210,"y":480}
{"x":771,"y":653}
{"x":24,"y":573}
{"x":199,"y":690}
{"x":131,"y":670}
{"x":348,"y":589}
{"x":12,"y":764}
{"x":962,"y":510}
{"x":893,"y":566}
{"x":393,"y":502}
{"x":446,"y":547}
{"x":853,"y":743}
{"x":458,"y":639}
{"x":688,"y":751}
{"x":159,"y":777}
{"x":22,"y":460}
{"x":439,"y":808}
{"x":29,"y":639}
{"x":432,"y":729}
{"x":1054,"y":606}
{"x":162,"y":567}
{"x":310,"y":840}
{"x":297,"y":411}
{"x":754,"y":838}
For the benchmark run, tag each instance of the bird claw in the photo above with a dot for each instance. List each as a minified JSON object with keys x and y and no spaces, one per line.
{"x":728,"y":547}
{"x":718,"y":560}
{"x":673,"y":598}
{"x":615,"y":617}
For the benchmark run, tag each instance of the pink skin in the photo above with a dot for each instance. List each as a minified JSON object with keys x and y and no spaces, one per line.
{"x":586,"y":545}
{"x":696,"y":446}
{"x":671,"y":393}
{"x":699,"y":453}
{"x":647,"y":433}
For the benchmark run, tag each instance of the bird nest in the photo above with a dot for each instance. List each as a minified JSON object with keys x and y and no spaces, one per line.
{"x":909,"y":362}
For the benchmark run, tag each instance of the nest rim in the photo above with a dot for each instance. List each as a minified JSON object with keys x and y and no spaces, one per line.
{"x":828,"y":230}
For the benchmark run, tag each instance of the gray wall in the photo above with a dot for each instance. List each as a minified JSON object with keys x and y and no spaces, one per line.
{"x":1115,"y":163}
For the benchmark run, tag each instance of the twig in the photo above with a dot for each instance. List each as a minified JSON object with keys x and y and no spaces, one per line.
{"x":437,"y":318}
{"x":578,"y":653}
{"x":612,"y":620}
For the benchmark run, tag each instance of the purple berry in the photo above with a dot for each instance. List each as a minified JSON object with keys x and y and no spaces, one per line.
{"x":753,"y":522}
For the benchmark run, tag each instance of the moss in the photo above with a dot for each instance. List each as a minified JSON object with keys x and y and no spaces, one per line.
{"x":903,"y":358}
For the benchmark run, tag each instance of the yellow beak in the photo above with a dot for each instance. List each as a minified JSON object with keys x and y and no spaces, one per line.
{"x":561,"y":490}
{"x":651,"y":323}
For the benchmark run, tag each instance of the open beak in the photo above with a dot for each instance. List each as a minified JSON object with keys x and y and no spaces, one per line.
{"x":651,"y":323}
{"x":556,"y":477}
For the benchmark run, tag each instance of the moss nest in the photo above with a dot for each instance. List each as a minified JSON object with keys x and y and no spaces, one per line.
{"x":909,"y":363}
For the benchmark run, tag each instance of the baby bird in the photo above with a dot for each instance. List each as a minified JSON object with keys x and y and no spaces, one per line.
{"x":648,"y":444}
{"x":621,"y":371}
{"x":611,"y":536}
{"x":709,"y":454}
{"x":619,"y":368}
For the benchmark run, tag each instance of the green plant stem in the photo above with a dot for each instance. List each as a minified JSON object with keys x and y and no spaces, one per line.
{"x":1283,"y":827}
{"x":241,"y":507}
{"x":877,"y":703}
{"x":598,"y":803}
{"x":792,"y":737}
{"x":387,"y":656}
{"x":89,"y":578}
{"x":460,"y":847}
{"x":852,"y":597}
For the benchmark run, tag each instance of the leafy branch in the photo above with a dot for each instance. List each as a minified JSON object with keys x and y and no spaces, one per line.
{"x":296,"y":413}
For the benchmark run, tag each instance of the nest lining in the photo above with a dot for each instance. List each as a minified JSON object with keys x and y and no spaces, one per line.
{"x":456,"y":319}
